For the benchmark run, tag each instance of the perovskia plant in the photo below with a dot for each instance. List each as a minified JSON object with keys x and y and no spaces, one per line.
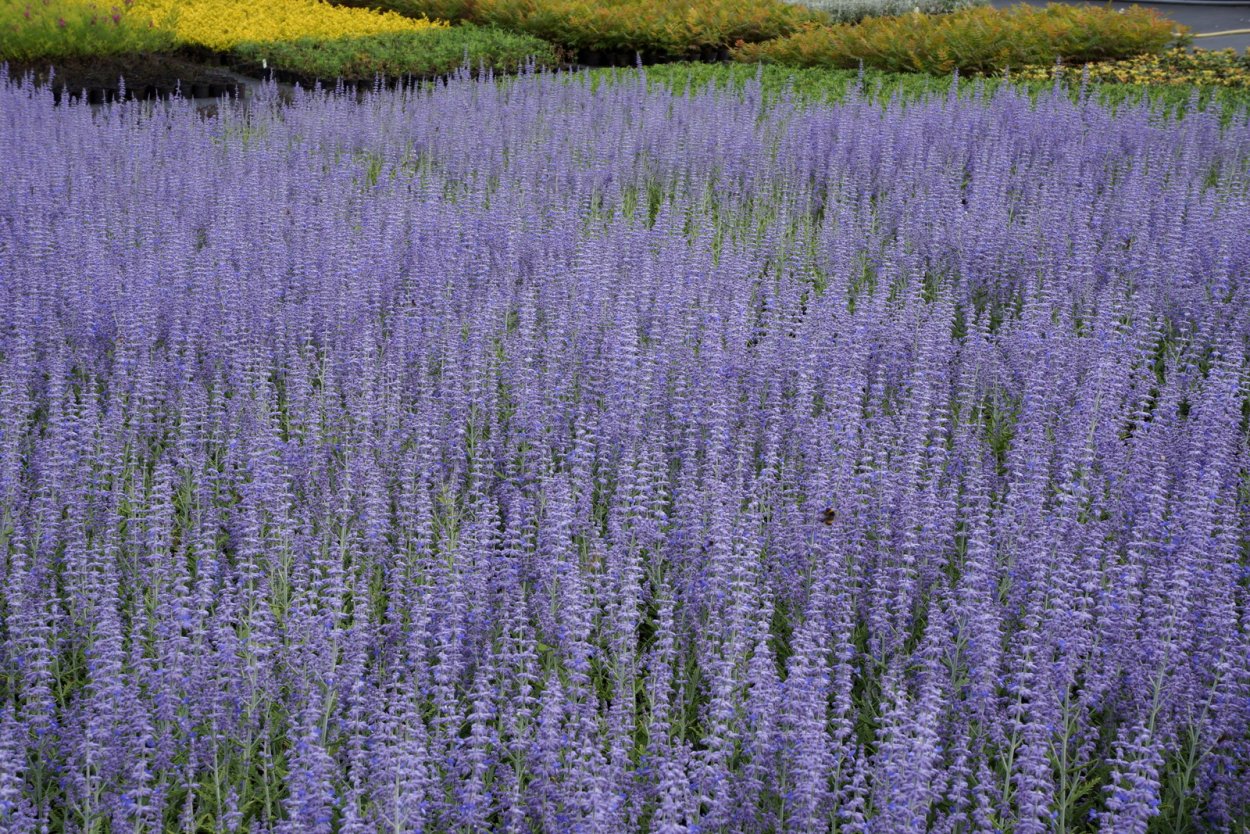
{"x":462,"y":457}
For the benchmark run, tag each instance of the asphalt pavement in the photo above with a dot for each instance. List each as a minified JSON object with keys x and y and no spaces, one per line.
{"x":1199,"y":18}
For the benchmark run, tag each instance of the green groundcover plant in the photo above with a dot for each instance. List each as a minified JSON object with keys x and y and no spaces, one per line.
{"x":426,"y":53}
{"x":982,"y":40}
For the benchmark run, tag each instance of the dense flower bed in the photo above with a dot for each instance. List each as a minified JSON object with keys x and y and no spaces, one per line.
{"x":533,"y":457}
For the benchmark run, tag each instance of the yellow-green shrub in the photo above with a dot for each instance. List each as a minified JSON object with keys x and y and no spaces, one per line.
{"x":980,"y":40}
{"x":37,"y":29}
{"x":220,"y":24}
{"x":1201,"y":68}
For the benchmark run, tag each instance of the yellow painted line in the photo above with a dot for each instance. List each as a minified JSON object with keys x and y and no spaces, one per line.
{"x":1225,"y":32}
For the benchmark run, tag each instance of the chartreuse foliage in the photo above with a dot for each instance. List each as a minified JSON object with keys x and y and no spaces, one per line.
{"x":568,"y":456}
{"x":309,"y":38}
{"x":40,"y":29}
{"x":223,"y":24}
{"x":983,"y":40}
{"x":31,"y":29}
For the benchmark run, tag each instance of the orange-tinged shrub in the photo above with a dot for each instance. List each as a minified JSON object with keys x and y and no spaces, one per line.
{"x":982,"y":40}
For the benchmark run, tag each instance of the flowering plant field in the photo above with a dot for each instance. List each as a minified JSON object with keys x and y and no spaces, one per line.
{"x":540,"y":457}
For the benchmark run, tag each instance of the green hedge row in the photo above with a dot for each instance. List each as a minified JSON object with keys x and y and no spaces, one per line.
{"x":428,"y":53}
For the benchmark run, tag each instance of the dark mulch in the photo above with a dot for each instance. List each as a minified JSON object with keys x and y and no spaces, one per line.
{"x":146,"y":76}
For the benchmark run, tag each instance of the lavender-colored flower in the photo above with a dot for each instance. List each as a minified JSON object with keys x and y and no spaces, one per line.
{"x":550,"y":456}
